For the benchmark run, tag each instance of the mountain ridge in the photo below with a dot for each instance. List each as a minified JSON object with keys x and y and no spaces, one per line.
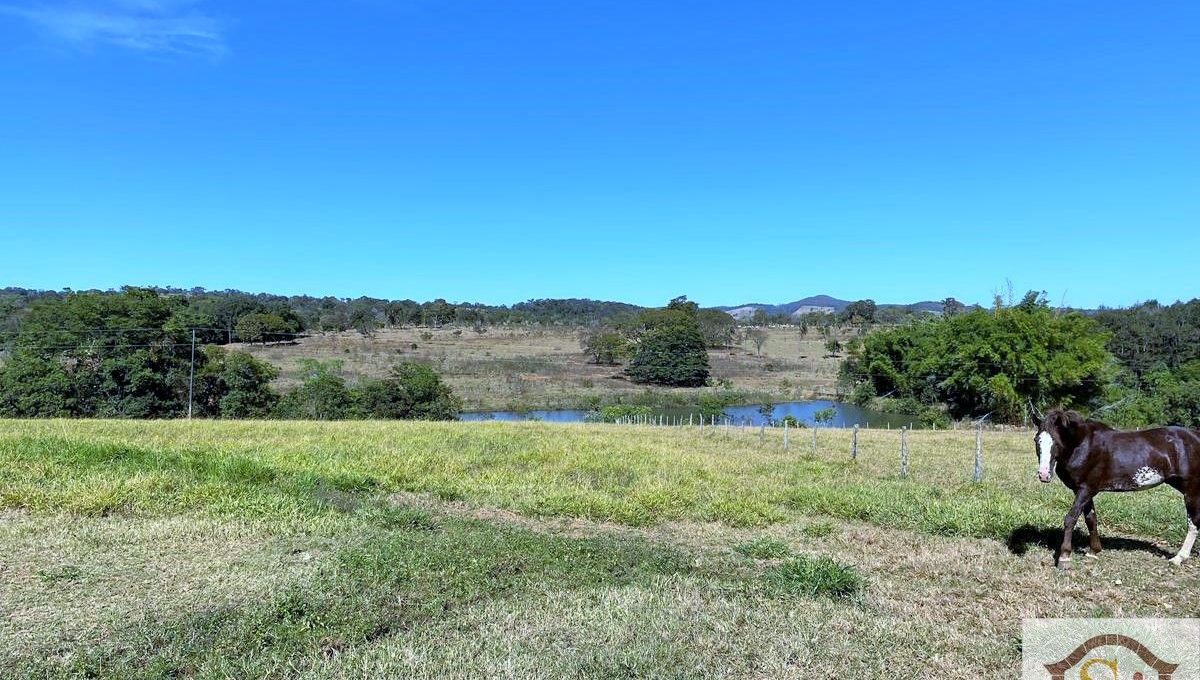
{"x":818,"y":303}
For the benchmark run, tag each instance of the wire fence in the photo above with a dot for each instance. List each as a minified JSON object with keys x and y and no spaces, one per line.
{"x":793,"y":435}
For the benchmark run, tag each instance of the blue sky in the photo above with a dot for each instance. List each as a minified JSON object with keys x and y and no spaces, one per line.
{"x":500,"y":151}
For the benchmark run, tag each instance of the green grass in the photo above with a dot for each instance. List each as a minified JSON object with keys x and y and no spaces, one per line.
{"x":817,"y":529}
{"x":63,"y":573}
{"x":636,"y":477}
{"x":815,"y":577}
{"x":431,"y":550}
{"x":764,"y":548}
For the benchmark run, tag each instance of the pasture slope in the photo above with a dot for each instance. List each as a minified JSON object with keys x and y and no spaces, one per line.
{"x":530,"y":550}
{"x":534,"y":368}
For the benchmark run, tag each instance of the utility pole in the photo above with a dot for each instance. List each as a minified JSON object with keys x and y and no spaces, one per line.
{"x":192,"y":374}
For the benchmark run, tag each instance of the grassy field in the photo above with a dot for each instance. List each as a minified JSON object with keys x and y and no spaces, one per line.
{"x":545,"y":368}
{"x":530,"y":550}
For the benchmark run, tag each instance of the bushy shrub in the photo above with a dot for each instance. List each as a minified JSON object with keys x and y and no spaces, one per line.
{"x":413,"y":392}
{"x":790,"y":421}
{"x":713,"y":405}
{"x":322,"y":395}
{"x":981,"y":362}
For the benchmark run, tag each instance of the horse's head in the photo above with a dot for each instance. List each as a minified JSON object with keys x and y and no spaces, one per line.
{"x":1056,"y":433}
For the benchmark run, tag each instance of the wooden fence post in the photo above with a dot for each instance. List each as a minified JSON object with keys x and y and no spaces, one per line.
{"x":903,"y":452}
{"x":785,"y":435}
{"x":814,"y":439}
{"x":979,"y":453}
{"x":854,"y":443}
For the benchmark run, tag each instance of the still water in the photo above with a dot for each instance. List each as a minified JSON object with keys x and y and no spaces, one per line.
{"x":846,"y":415}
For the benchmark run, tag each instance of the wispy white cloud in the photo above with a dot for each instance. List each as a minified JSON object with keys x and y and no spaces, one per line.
{"x":150,"y":26}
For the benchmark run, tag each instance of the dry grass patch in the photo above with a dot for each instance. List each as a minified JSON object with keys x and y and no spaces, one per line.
{"x":517,"y":368}
{"x":68,"y":581}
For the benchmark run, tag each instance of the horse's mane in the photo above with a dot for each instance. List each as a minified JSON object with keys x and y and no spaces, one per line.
{"x":1071,"y":426}
{"x":1076,"y":420}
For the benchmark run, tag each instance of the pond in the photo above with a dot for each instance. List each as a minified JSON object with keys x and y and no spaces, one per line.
{"x":845,"y":415}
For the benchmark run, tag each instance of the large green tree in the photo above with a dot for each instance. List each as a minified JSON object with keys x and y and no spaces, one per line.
{"x":605,"y":346}
{"x":261,"y":327}
{"x":719,"y":328}
{"x":858,"y":313}
{"x":234,"y":385}
{"x":981,"y":362}
{"x":672,"y":351}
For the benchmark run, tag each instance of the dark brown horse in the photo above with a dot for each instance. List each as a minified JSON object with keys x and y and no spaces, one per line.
{"x":1090,"y":457}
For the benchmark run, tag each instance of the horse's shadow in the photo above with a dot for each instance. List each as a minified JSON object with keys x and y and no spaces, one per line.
{"x":1049,"y":538}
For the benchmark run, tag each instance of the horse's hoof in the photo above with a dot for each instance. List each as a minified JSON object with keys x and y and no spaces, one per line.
{"x":1064,"y":564}
{"x":1176,"y":560}
{"x":1092,"y":556}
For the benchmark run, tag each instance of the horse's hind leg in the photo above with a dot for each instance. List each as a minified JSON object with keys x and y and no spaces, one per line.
{"x":1191,"y":501}
{"x":1089,"y":517}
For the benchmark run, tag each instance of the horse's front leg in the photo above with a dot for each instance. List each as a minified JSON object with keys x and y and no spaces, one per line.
{"x":1089,"y":517}
{"x":1082,"y":497}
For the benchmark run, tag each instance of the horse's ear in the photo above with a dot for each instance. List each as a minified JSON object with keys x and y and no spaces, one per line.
{"x":1061,"y":425}
{"x":1037,"y":416}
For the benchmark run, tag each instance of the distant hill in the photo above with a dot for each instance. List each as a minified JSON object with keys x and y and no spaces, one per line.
{"x":818,"y":303}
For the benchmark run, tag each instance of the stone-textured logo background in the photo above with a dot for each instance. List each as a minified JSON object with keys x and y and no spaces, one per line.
{"x":1110,"y":649}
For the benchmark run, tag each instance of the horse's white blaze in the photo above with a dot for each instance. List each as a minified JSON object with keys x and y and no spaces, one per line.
{"x":1147,"y":476}
{"x":1045,"y":443}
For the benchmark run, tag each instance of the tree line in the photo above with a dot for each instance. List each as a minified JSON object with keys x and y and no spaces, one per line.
{"x":1132,"y":367}
{"x":249,"y":317}
{"x":263,"y":317}
{"x":131,"y":355}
